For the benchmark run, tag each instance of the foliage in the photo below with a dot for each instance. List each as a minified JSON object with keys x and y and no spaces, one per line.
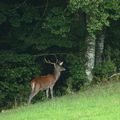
{"x":98,"y":12}
{"x":58,"y":22}
{"x":15,"y":73}
{"x":112,"y":43}
{"x":56,"y":28}
{"x":30,"y":14}
{"x":105,"y":70}
{"x":77,"y":76}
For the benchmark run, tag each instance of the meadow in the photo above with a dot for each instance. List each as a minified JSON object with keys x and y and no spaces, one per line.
{"x":98,"y":102}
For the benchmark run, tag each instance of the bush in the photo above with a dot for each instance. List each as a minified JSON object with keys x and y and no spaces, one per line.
{"x":15,"y":73}
{"x":103,"y":71}
{"x":77,"y":76}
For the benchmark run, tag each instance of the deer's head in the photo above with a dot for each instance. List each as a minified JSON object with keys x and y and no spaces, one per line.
{"x":57,"y":65}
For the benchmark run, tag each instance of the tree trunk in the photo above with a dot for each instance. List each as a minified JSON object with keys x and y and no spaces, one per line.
{"x":90,"y":57}
{"x":99,"y":48}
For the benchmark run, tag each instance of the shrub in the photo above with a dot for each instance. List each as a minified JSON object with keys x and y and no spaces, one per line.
{"x":77,"y":76}
{"x":103,"y":71}
{"x":15,"y":73}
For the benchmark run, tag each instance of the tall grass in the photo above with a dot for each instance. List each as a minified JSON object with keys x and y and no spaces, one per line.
{"x":95,"y":103}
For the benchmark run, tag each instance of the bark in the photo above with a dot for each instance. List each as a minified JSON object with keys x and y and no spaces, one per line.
{"x":90,"y":57}
{"x":99,"y":48}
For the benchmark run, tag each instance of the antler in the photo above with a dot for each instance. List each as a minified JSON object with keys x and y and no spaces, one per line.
{"x":48,"y":61}
{"x":56,"y":59}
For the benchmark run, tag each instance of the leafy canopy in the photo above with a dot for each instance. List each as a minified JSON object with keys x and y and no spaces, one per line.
{"x":99,"y":12}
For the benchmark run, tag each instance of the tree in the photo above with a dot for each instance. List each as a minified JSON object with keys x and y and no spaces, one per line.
{"x":113,"y":8}
{"x":99,"y":47}
{"x":97,"y":14}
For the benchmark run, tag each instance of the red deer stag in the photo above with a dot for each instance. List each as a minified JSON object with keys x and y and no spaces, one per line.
{"x":46,"y":82}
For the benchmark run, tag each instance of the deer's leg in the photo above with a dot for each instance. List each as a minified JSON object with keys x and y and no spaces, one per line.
{"x":33,"y":93}
{"x":30,"y":97}
{"x":51,"y":91}
{"x":47,"y":93}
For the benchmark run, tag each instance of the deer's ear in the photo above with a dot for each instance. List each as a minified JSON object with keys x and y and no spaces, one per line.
{"x":61,"y":63}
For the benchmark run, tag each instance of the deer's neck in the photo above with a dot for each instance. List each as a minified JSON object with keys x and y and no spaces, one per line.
{"x":57,"y":74}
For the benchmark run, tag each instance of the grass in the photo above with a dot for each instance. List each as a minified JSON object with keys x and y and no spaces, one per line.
{"x":100,"y":102}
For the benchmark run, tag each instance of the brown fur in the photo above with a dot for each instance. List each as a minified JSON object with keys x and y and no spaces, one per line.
{"x":46,"y":82}
{"x":43,"y":81}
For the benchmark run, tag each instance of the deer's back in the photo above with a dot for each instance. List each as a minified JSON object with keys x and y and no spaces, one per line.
{"x":44,"y":82}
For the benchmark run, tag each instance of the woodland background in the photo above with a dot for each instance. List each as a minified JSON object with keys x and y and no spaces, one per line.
{"x":85,"y":34}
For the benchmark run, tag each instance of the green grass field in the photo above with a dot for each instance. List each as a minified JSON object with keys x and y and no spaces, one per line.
{"x":100,"y":102}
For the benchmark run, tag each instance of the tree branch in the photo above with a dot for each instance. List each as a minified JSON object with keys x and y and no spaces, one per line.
{"x":21,"y":4}
{"x":46,"y":6}
{"x":114,"y":75}
{"x":45,"y":54}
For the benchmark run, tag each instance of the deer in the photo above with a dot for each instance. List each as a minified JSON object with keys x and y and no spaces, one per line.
{"x":46,"y":82}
